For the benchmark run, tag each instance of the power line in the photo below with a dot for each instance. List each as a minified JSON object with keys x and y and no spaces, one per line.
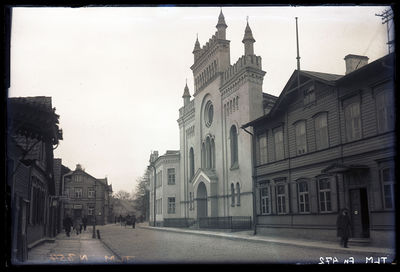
{"x":387,"y":17}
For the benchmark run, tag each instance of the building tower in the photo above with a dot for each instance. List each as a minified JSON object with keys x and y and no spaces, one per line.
{"x":221,"y":27}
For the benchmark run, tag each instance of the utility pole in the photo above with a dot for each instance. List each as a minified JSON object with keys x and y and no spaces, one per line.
{"x":94,"y":211}
{"x":386,"y":17}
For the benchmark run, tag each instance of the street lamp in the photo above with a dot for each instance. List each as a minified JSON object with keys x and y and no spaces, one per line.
{"x":154,"y":196}
{"x":94,"y":211}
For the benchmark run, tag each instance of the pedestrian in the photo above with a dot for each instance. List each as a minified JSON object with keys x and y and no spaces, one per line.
{"x":133,"y":221}
{"x":84,"y":221}
{"x":78,"y":225}
{"x":120,"y":219}
{"x":115,"y":219}
{"x":127,"y":220}
{"x":343,"y":224}
{"x":67,"y":223}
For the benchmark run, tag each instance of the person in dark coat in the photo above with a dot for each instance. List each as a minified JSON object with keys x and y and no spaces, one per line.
{"x":343,"y":224}
{"x":84,"y":221}
{"x":67,"y":224}
{"x":133,"y":221}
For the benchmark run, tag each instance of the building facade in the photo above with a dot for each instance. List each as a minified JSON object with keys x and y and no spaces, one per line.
{"x":87,"y":196}
{"x":166,"y":193}
{"x":32,"y":134}
{"x":215,"y":170}
{"x":329,"y":143}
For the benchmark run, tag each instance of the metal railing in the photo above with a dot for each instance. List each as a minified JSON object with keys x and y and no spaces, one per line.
{"x":226,"y":222}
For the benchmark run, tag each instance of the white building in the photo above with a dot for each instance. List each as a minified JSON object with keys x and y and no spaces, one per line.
{"x":167,"y":196}
{"x":215,"y":153}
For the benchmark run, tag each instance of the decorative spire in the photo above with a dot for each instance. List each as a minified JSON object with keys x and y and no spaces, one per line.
{"x":196,"y":45}
{"x":221,"y":20}
{"x":186,"y":91}
{"x":248,"y":34}
{"x":248,"y":40}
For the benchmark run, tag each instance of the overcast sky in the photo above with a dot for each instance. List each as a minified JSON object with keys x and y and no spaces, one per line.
{"x":116,"y":75}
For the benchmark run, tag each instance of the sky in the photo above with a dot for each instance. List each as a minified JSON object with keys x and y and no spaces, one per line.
{"x":116,"y":75}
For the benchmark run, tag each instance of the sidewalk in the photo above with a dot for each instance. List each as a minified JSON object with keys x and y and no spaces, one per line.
{"x":76,"y":249}
{"x":248,"y":236}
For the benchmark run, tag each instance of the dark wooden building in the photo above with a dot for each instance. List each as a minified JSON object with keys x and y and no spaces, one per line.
{"x":329,"y":143}
{"x":32,"y":134}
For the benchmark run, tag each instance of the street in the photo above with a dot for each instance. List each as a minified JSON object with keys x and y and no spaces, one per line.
{"x":155,"y":246}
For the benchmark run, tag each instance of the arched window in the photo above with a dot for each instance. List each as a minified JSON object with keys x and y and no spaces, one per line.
{"x":203,"y":156}
{"x":232,"y":194}
{"x":191,"y":162}
{"x":238,"y":193}
{"x":208,"y":152}
{"x":213,"y":153}
{"x":234,"y":146}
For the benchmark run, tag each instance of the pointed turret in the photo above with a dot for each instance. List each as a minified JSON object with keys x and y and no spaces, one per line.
{"x":221,"y":26}
{"x":197,"y":50}
{"x":186,"y":95}
{"x":248,"y":41}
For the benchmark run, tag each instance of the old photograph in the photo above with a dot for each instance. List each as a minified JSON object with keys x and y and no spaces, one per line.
{"x":220,"y":134}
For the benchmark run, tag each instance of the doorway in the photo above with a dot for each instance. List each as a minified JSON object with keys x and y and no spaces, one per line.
{"x":201,"y":200}
{"x":359,"y":212}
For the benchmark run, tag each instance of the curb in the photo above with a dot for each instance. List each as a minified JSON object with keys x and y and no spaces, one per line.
{"x":269,"y":241}
{"x":111,"y":249}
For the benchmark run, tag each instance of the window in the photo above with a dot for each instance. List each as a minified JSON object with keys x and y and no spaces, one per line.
{"x":203,"y":155}
{"x":171,"y":204}
{"x":91,"y":210}
{"x":281,"y":199}
{"x":208,"y":113}
{"x":353,"y":121}
{"x":212,"y":154}
{"x":191,"y":162}
{"x":278,"y":140}
{"x":171,"y":176}
{"x":78,"y":192}
{"x":159,"y":179}
{"x":385,"y":111}
{"x":190,"y":201}
{"x":324,"y":187}
{"x":234,"y":146}
{"x":238,"y":194}
{"x":262,"y":148}
{"x":91,"y":192}
{"x":208,"y":153}
{"x":309,"y":95}
{"x":304,"y":203}
{"x":265,"y":196}
{"x":388,"y":183}
{"x":301,"y":140}
{"x":321,"y":131}
{"x":232,"y":195}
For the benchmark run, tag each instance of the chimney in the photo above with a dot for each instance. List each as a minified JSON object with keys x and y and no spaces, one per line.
{"x":354,"y":62}
{"x":78,"y":167}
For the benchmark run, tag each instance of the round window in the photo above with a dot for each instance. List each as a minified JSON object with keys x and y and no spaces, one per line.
{"x":209,"y":113}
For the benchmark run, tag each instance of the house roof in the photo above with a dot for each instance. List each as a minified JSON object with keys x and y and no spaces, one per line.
{"x":331,"y":79}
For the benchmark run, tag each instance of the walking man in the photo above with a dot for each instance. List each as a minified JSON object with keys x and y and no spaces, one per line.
{"x":133,"y":221}
{"x":84,"y":221}
{"x":343,"y":224}
{"x":67,"y":223}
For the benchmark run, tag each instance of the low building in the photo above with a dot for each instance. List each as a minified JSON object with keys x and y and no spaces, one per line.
{"x":59,"y":171}
{"x":164,"y":188}
{"x":329,"y":143}
{"x":86,"y":196}
{"x":32,"y":135}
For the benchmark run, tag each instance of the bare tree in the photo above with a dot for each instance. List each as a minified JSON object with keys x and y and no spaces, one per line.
{"x":141,"y":197}
{"x":123,"y":195}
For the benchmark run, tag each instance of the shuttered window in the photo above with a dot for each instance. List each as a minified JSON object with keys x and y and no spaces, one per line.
{"x":321,"y":131}
{"x":353,"y":121}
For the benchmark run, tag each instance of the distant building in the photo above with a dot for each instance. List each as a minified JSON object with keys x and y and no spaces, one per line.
{"x":59,"y":171}
{"x":32,"y":135}
{"x":87,"y":196}
{"x":167,"y":203}
{"x":329,"y":143}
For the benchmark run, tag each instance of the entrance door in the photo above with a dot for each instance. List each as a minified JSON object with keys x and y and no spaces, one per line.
{"x":359,"y":213}
{"x":201,"y":200}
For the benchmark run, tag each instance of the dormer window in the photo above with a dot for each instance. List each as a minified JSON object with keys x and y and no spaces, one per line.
{"x":309,"y":95}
